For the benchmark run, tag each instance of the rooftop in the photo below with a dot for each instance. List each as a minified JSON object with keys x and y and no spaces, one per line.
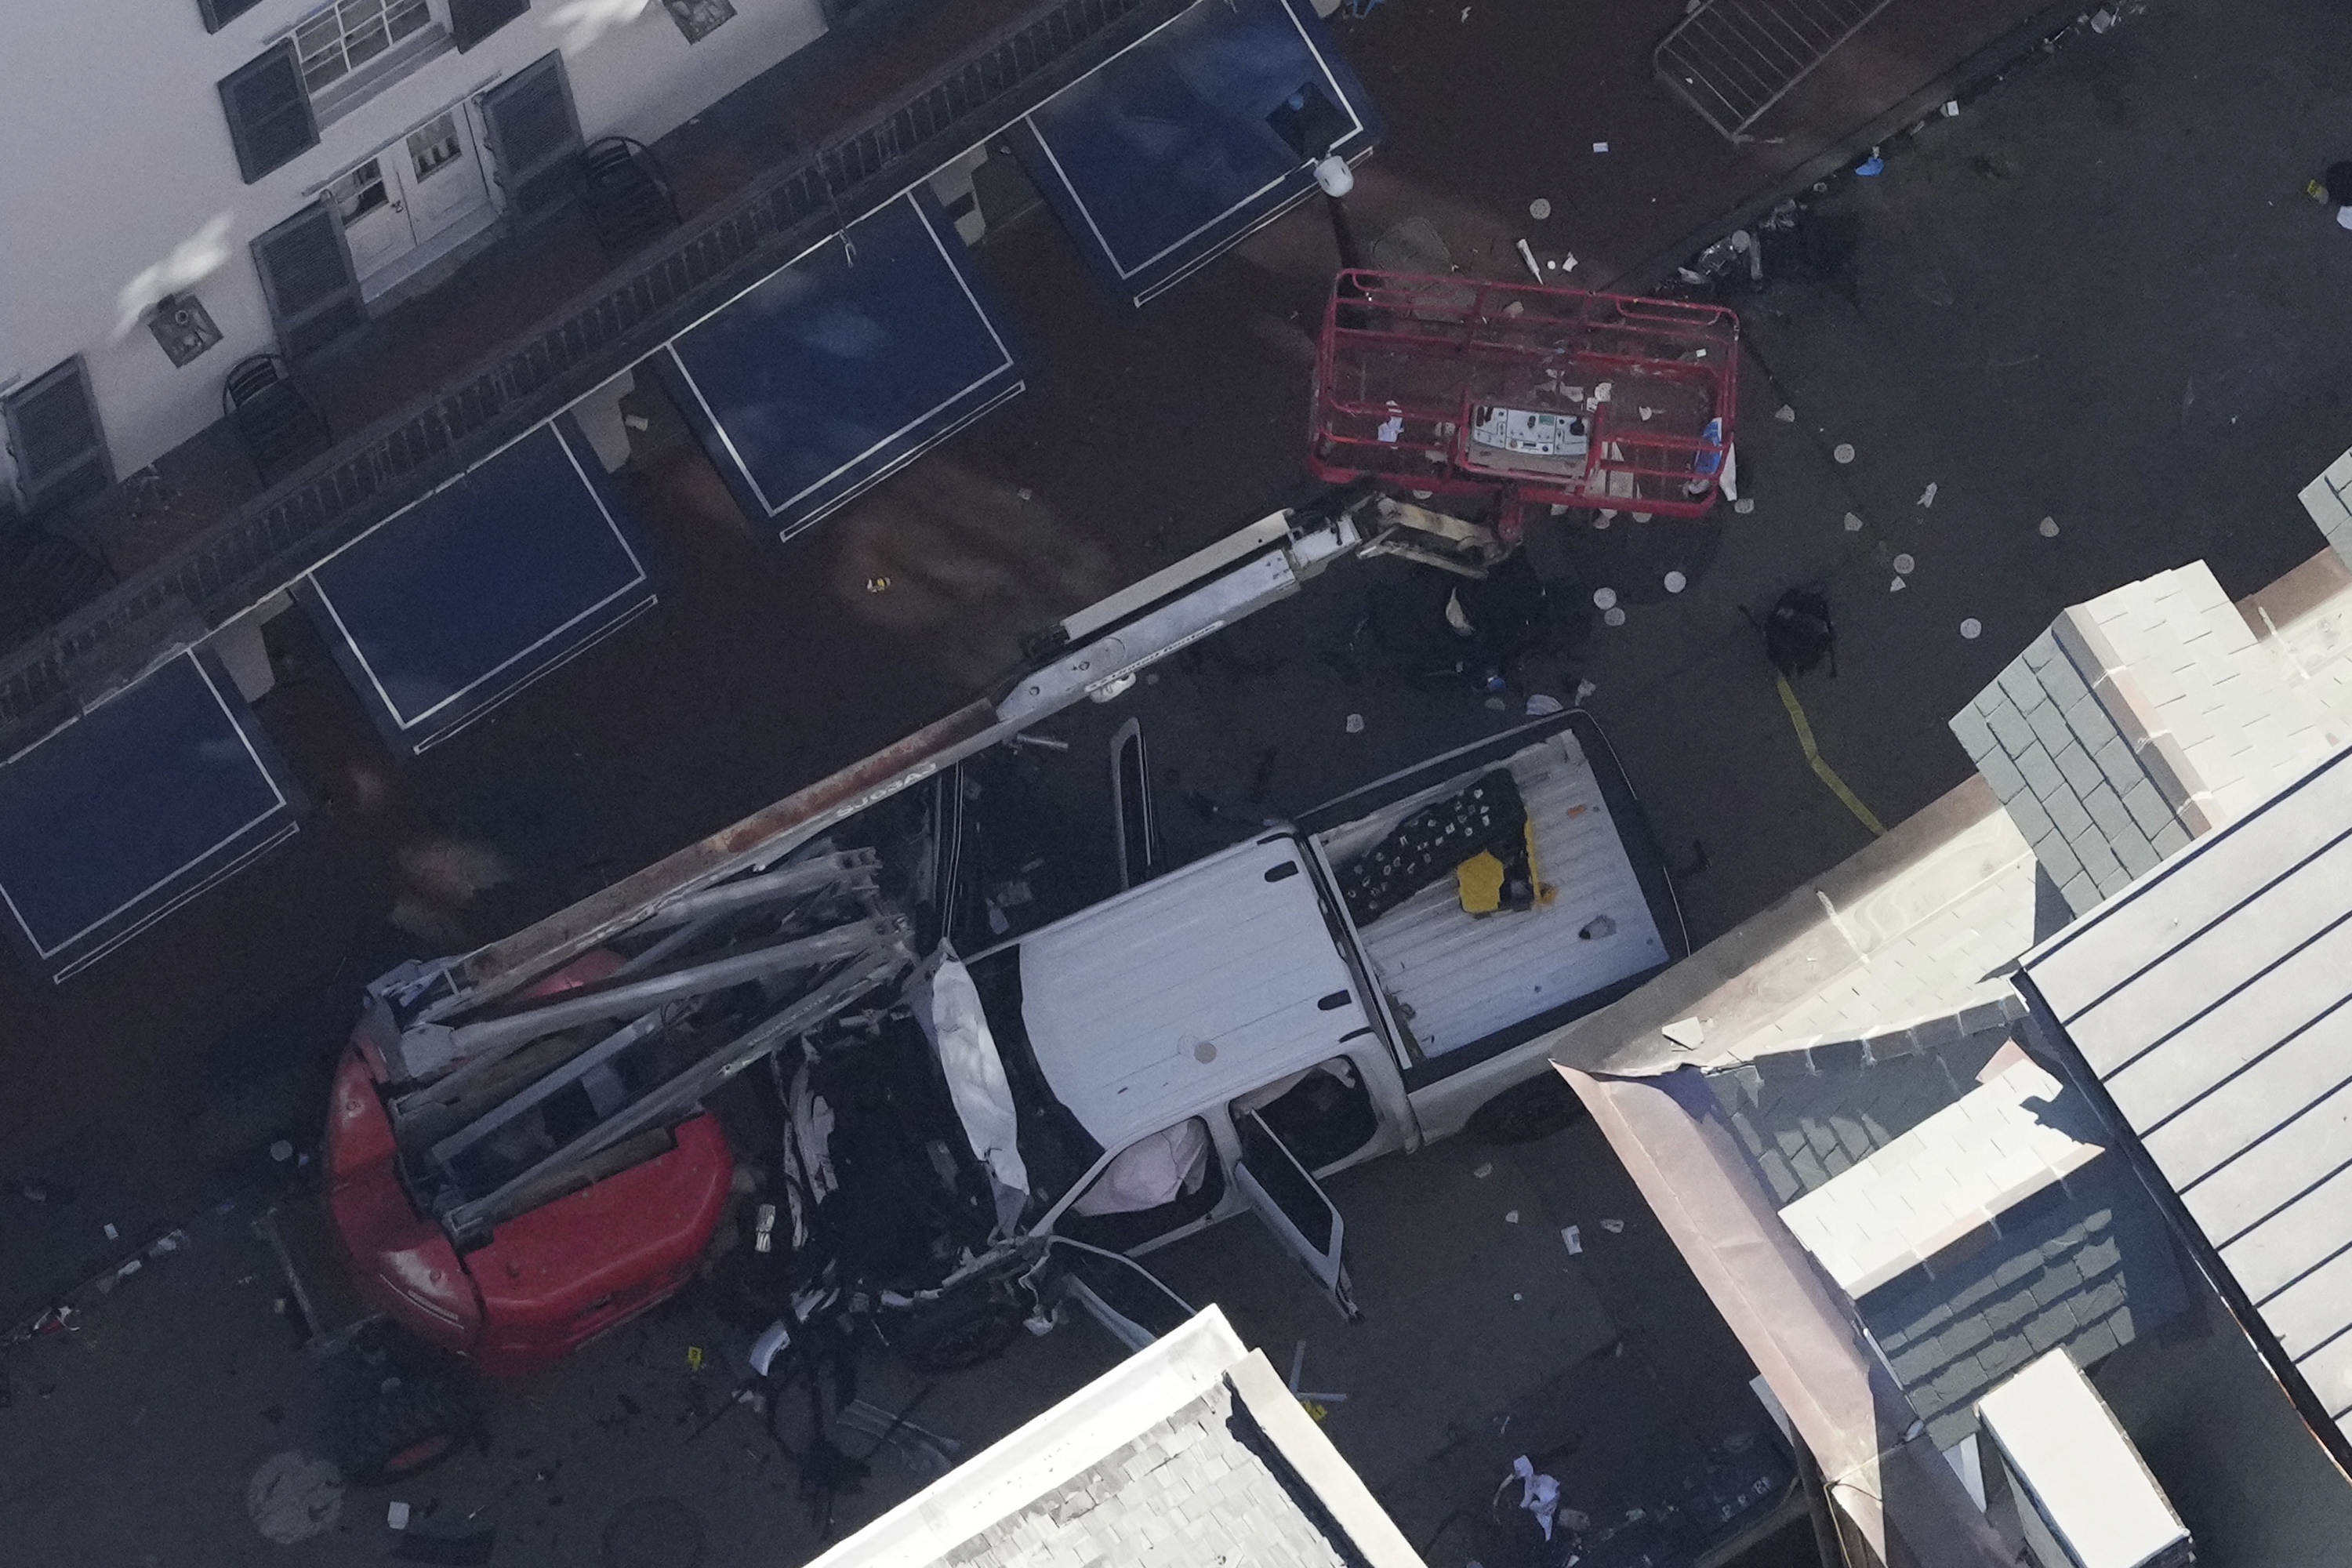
{"x":1190,"y":1454}
{"x":2210,"y":1002}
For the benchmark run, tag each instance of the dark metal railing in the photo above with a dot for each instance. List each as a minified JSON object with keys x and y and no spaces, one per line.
{"x":273,"y":538}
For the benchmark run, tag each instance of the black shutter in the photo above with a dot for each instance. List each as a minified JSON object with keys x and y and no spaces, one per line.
{"x":219,"y":14}
{"x":53,"y":433}
{"x":534,"y":134}
{"x":268,"y":111}
{"x":471,"y":21}
{"x":306,"y":275}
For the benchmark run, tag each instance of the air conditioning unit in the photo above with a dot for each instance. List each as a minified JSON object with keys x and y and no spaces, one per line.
{"x":2085,"y":1498}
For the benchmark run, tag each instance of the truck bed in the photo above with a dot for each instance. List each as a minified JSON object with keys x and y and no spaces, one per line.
{"x":1456,"y":981}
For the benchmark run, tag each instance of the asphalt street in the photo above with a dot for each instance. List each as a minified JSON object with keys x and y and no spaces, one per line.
{"x":2096,"y":296}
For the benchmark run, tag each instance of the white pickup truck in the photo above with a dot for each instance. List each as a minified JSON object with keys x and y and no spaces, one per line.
{"x":1215,"y":1038}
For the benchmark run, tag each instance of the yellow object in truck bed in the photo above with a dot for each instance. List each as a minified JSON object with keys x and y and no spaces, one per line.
{"x":1479,"y":878}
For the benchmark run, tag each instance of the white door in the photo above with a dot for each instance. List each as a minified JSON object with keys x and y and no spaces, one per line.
{"x":376,"y":218}
{"x":403,"y":206}
{"x":442,"y":171}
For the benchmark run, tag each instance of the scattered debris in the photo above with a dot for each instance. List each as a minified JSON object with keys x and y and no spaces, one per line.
{"x":1528,"y":257}
{"x":1872,"y":164}
{"x":1542,"y":705}
{"x":1025,"y":493}
{"x":1971,"y":629}
{"x":1951,"y":109}
{"x":1596,"y":928}
{"x":1897,"y":585}
{"x":281,"y":1151}
{"x":1905,"y":563}
{"x":1853,"y":523}
{"x":876,"y":584}
{"x":396,"y":1515}
{"x":1601,"y":146}
{"x":2049,"y":528}
{"x":1539,"y":209}
{"x":1516,"y":1296}
{"x":1927,"y":496}
{"x":1575,"y":1239}
{"x":294,"y":1496}
{"x":1604,"y":597}
{"x":1613,"y":616}
{"x":1787,"y":415}
{"x":1355,"y":725}
{"x":1843,"y":452}
{"x":1510,"y":1217}
{"x":2102,"y":19}
{"x":1744,"y":505}
{"x":1485,"y":1171}
{"x":1676,"y":582}
{"x":1584,"y":688}
{"x":1539,"y":1493}
{"x":694,"y":1358}
{"x":1688,"y":1033}
{"x":1614,"y":1226}
{"x":1495,"y":704}
{"x":112,"y":1233}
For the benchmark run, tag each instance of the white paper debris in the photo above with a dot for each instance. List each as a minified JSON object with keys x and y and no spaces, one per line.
{"x":1853,"y":523}
{"x":1603,"y":598}
{"x":1485,"y":1171}
{"x":1613,"y":616}
{"x":1905,"y":563}
{"x":1510,"y":1217}
{"x":1843,"y":452}
{"x":1528,"y":257}
{"x":2049,"y":528}
{"x":112,"y":1233}
{"x":1787,"y":415}
{"x":396,"y":1516}
{"x":1971,"y":629}
{"x":1688,"y":1033}
{"x":1614,"y":1226}
{"x":1601,"y":146}
{"x":1538,"y":1494}
{"x":1744,"y":505}
{"x":1575,"y":1239}
{"x":1897,"y":585}
{"x":1676,"y":582}
{"x":1927,"y":496}
{"x":1539,"y":209}
{"x":1645,"y":413}
{"x":1355,"y":723}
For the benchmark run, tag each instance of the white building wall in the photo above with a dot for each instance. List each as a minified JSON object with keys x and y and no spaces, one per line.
{"x":120,"y":164}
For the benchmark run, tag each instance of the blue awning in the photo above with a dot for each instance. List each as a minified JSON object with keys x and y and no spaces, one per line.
{"x":1175,"y":148}
{"x":134,"y":809}
{"x":454,"y":603}
{"x":843,"y":365}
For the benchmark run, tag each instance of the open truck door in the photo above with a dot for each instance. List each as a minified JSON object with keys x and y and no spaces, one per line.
{"x":1293,"y":1206}
{"x":1139,"y":857}
{"x":1116,"y":1292}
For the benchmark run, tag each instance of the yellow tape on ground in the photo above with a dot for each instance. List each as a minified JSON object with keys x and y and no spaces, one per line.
{"x":1822,"y":769}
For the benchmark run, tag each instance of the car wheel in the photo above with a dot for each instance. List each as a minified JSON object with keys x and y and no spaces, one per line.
{"x":401,"y":1428}
{"x":960,"y":1335}
{"x":1524,"y":1112}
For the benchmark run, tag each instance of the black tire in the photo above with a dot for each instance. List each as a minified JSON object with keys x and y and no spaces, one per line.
{"x":958,"y":1335}
{"x":403,"y":1427}
{"x":1538,"y":1108}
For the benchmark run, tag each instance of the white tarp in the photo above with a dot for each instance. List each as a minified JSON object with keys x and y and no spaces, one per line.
{"x":947,"y":1005}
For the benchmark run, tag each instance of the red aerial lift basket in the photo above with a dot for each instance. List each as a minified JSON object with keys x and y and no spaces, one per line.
{"x":1524,"y":394}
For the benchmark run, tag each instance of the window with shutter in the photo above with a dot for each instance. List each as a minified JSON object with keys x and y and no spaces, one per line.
{"x":305,"y":274}
{"x":534,"y":135}
{"x":53,"y":437}
{"x":269,"y":116}
{"x":219,"y":14}
{"x":473,"y":20}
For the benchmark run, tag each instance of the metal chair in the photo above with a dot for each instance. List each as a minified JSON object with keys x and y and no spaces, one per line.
{"x":626,"y":193}
{"x":277,"y":424}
